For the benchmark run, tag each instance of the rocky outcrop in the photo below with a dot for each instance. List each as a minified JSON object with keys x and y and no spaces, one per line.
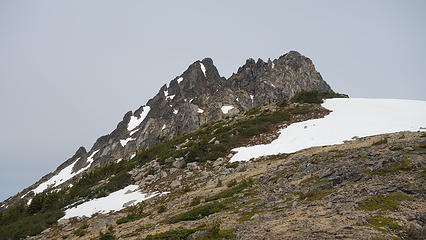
{"x":198,"y":96}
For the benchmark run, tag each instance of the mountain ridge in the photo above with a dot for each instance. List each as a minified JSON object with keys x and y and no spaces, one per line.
{"x":188,"y":101}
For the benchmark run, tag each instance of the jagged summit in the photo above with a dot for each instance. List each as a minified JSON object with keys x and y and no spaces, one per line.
{"x":198,"y":96}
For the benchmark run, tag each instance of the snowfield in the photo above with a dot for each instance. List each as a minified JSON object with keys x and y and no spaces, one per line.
{"x":350,"y":117}
{"x":114,"y":202}
{"x":64,"y":175}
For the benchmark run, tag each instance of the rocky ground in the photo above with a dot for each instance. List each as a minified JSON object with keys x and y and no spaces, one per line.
{"x":368,"y":188}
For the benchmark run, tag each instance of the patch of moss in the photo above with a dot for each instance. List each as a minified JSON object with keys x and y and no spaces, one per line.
{"x":313,"y":179}
{"x":314,"y":195}
{"x":231,"y":191}
{"x":212,"y":233}
{"x":198,"y":213}
{"x":384,"y":202}
{"x":383,"y":223}
{"x":395,"y":168}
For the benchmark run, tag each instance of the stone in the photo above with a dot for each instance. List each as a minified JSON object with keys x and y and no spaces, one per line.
{"x":192,"y":166}
{"x":175,"y":183}
{"x":179,"y":163}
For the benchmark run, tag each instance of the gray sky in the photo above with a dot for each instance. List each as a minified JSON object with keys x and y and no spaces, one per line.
{"x":69,"y":70}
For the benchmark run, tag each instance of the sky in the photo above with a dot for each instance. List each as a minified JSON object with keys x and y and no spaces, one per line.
{"x":69,"y":70}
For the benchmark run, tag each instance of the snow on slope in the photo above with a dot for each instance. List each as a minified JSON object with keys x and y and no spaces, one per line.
{"x":350,"y":117}
{"x":113,"y":202}
{"x":64,"y":175}
{"x":225,"y":109}
{"x":136,"y":121}
{"x":124,"y":142}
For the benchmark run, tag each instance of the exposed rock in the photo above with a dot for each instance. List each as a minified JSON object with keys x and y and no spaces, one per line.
{"x":179,"y":163}
{"x":175,"y":183}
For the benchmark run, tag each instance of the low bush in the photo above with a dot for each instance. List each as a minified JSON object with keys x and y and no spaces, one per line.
{"x":380,"y":222}
{"x":231,"y":191}
{"x":384,"y":202}
{"x":315,"y":96}
{"x":198,"y":213}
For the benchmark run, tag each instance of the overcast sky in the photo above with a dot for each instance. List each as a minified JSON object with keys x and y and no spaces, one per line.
{"x":69,"y":70}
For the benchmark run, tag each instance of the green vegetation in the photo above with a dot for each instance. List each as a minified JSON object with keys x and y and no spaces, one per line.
{"x":231,"y":191}
{"x":232,"y":165}
{"x":26,"y":224}
{"x":161,"y":209}
{"x":232,"y":183}
{"x":380,"y":142}
{"x":107,"y":236}
{"x":315,"y":96}
{"x":384,"y":202}
{"x":282,"y":104}
{"x":198,"y":213}
{"x":135,"y":213}
{"x":381,"y":223}
{"x":213,"y":233}
{"x":227,"y":136}
{"x":196,"y":201}
{"x":46,"y":208}
{"x":253,"y":111}
{"x":395,"y":168}
{"x":301,"y":110}
{"x":313,"y":195}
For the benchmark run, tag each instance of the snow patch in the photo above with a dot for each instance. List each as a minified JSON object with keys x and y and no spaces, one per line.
{"x":123,"y":142}
{"x":163,"y":127}
{"x":64,"y":175}
{"x":119,"y":160}
{"x":133,"y":132}
{"x":113,"y":202}
{"x":136,"y":121}
{"x":179,"y":80}
{"x":175,"y":111}
{"x":133,"y":155}
{"x":252,"y":98}
{"x":225,"y":109}
{"x":200,"y":110}
{"x":203,"y":69}
{"x":349,"y":117}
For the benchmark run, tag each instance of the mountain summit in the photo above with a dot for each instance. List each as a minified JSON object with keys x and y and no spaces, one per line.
{"x":269,"y":153}
{"x":196,"y":97}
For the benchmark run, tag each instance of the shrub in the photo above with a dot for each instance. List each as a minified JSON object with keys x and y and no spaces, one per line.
{"x":379,"y":222}
{"x":162,"y":209}
{"x":307,"y":97}
{"x":315,"y":96}
{"x":315,"y":194}
{"x":107,"y":236}
{"x":198,"y":213}
{"x":282,"y":104}
{"x":384,"y":202}
{"x":232,"y":183}
{"x":196,"y":201}
{"x":404,"y":165}
{"x":231,"y":191}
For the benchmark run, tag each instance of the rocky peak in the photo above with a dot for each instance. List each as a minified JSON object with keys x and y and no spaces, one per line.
{"x":198,"y":96}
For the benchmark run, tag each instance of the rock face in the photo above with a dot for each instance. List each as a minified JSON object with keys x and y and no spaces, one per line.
{"x":198,"y":96}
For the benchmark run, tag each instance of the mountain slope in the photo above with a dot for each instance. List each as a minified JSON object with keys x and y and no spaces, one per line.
{"x":196,"y":97}
{"x":176,"y":168}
